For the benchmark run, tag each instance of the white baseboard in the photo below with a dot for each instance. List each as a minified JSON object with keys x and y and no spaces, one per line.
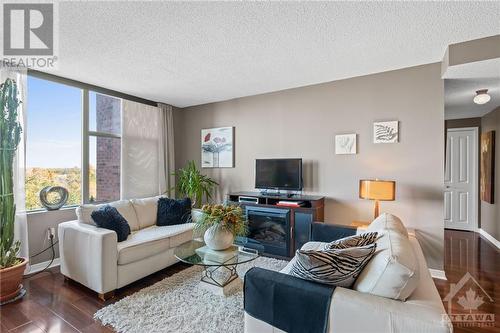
{"x":489,"y":237}
{"x":437,"y":274}
{"x":40,"y":266}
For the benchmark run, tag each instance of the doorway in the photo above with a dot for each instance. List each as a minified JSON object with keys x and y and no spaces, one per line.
{"x":461,"y":179}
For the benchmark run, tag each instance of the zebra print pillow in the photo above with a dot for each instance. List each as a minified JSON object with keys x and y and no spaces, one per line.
{"x":353,"y":241}
{"x":338,"y":267}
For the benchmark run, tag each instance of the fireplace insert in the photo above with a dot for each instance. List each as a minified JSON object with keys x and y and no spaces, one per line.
{"x":270,"y":228}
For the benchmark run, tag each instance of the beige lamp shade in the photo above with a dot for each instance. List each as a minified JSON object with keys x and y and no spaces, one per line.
{"x":378,"y":190}
{"x":383,"y":190}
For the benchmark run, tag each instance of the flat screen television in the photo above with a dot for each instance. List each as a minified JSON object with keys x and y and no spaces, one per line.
{"x":279,"y":174}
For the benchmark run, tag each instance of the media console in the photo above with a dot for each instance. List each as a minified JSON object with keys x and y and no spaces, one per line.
{"x":276,"y":227}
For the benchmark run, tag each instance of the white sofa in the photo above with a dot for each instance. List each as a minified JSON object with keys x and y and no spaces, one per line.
{"x":93,"y":257}
{"x":354,"y":311}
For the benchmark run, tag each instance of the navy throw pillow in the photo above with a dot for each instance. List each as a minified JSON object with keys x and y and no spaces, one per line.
{"x":108,"y":217}
{"x":171,"y":211}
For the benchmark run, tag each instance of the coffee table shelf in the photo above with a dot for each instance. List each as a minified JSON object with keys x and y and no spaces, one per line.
{"x":219,"y":270}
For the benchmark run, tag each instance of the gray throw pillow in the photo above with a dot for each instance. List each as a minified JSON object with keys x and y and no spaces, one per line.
{"x":366,"y":238}
{"x":338,"y":267}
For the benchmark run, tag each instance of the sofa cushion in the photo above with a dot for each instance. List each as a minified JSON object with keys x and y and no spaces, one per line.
{"x":363,"y":239}
{"x":393,"y":270}
{"x":171,"y":211}
{"x":124,"y":207}
{"x":337,"y":267}
{"x":309,"y":246}
{"x":388,"y":221}
{"x":153,"y":240}
{"x":146,"y":210}
{"x":107,"y":217}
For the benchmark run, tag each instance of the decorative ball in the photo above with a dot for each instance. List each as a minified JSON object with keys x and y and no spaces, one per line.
{"x":53,"y":197}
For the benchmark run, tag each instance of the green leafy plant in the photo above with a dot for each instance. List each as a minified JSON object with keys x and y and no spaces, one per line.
{"x":191,"y":183}
{"x":227,"y":217}
{"x":10,"y":136}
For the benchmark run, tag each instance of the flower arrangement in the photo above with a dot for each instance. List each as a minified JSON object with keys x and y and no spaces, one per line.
{"x":226,"y":217}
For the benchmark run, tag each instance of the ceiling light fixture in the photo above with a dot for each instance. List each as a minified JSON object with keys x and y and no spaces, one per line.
{"x":482,"y":97}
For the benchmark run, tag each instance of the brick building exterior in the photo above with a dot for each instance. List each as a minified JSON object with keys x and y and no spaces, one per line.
{"x":108,"y":150}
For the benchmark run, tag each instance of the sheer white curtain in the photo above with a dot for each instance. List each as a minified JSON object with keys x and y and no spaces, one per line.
{"x":140,"y":167}
{"x":20,"y":227}
{"x":166,"y":152}
{"x":147,"y":150}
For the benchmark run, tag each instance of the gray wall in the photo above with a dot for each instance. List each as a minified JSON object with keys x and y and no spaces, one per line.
{"x":490,"y":213}
{"x":38,"y":223}
{"x":303,"y":122}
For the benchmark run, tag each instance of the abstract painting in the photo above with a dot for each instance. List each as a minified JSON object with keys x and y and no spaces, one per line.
{"x":345,"y":144}
{"x":386,"y":132}
{"x":487,"y":180}
{"x":217,"y":147}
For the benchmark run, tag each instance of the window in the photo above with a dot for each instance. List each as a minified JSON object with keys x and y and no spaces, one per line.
{"x":104,"y":143}
{"x":53,"y":143}
{"x":74,"y":141}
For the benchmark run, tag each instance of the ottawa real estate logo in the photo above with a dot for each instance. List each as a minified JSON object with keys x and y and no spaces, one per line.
{"x":465,"y":300}
{"x":29,"y":38}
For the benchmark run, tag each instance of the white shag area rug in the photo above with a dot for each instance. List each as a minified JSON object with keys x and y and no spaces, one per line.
{"x":177,"y":304}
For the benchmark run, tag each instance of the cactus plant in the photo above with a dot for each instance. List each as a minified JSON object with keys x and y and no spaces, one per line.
{"x":10,"y":136}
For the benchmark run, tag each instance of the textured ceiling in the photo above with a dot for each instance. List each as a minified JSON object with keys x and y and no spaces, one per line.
{"x":189,"y":53}
{"x":463,"y":81}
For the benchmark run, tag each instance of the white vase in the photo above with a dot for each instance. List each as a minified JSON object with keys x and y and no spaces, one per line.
{"x":196,"y":215}
{"x":218,"y":238}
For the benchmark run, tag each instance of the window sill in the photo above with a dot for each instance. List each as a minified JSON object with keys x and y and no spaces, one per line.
{"x":45,"y":211}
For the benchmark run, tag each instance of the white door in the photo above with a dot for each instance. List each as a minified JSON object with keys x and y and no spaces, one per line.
{"x":460,"y":179}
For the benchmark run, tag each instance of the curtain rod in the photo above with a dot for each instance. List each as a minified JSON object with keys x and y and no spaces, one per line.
{"x":82,"y":85}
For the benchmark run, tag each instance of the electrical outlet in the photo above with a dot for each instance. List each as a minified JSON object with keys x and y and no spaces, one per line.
{"x":51,"y":232}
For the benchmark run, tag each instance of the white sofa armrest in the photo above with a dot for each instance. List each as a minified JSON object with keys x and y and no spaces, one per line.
{"x":379,"y":314}
{"x":89,"y":255}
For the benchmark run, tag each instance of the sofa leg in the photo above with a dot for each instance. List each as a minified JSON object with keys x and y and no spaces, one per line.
{"x":104,"y":297}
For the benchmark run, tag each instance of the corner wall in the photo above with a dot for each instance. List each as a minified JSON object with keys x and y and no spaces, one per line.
{"x":303,"y":122}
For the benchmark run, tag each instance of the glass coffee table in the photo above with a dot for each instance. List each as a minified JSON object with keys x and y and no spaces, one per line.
{"x":219,"y":267}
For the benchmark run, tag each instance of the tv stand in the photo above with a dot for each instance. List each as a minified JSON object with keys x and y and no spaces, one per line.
{"x":277,"y":194}
{"x":279,"y":224}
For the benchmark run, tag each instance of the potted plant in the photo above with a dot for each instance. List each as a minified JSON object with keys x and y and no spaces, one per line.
{"x":11,"y":266}
{"x":194,"y":185}
{"x":221,"y":224}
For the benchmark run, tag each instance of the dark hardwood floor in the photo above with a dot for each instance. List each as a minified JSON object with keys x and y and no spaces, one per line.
{"x":468,"y":252}
{"x":55,"y":305}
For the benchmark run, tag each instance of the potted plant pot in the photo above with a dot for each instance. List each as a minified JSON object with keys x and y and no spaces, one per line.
{"x":10,"y":280}
{"x":218,"y":238}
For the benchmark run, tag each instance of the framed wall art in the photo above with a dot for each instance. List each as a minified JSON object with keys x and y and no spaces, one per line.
{"x":217,"y":148}
{"x":345,"y":144}
{"x":487,"y":176}
{"x":386,"y":132}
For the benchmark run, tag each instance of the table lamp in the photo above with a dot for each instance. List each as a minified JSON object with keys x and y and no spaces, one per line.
{"x":378,"y":190}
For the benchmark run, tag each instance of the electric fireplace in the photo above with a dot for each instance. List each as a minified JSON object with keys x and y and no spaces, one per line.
{"x":270,"y":228}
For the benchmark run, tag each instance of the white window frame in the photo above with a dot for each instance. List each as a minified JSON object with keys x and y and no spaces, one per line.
{"x":86,"y":134}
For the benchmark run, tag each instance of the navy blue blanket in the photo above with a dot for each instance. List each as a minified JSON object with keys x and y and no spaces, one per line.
{"x":286,"y":302}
